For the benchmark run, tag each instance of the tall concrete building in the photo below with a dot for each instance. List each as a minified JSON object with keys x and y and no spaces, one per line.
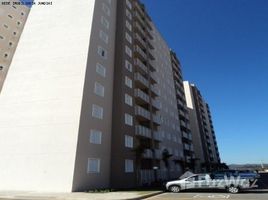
{"x":12,"y":20}
{"x":93,"y":99}
{"x":204,"y":138}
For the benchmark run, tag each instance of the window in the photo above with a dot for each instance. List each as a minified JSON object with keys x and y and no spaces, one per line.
{"x":128,"y":141}
{"x":128,"y":66}
{"x":129,"y":15}
{"x":6,"y":26}
{"x":1,"y":37}
{"x":128,"y":119}
{"x":104,"y":37}
{"x":93,"y":165}
{"x":5,"y":55}
{"x":22,"y":13}
{"x":105,"y":22}
{"x":99,"y":89}
{"x":106,"y":9}
{"x":100,"y":70}
{"x":10,"y":44}
{"x":128,"y":51}
{"x":129,"y":166}
{"x":10,"y":16}
{"x":95,"y":137}
{"x":128,"y":82}
{"x":129,"y":38}
{"x":128,"y":25}
{"x":102,"y":52}
{"x":18,"y":23}
{"x":1,"y":67}
{"x":97,"y":111}
{"x":128,"y":4}
{"x":128,"y":100}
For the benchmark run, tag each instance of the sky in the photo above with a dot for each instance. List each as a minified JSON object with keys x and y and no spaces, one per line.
{"x":223,"y":49}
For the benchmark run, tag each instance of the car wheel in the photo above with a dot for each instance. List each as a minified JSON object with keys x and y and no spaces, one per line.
{"x":233,"y":189}
{"x":174,"y":188}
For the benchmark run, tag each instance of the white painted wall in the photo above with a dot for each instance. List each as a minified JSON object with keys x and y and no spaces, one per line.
{"x":41,"y":99}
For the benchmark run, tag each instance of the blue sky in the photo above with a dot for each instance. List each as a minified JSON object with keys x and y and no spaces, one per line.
{"x":223,"y":48}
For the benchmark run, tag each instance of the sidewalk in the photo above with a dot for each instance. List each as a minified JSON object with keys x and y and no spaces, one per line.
{"x":124,"y":195}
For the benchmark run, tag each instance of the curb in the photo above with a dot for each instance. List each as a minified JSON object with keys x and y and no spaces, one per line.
{"x":146,"y":196}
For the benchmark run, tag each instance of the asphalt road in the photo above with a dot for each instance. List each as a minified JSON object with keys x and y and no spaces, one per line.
{"x":256,"y":195}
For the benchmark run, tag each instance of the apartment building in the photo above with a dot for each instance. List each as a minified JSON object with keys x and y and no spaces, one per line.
{"x":145,"y":112}
{"x":12,"y":20}
{"x":186,"y":134}
{"x":94,"y":101}
{"x":204,"y":138}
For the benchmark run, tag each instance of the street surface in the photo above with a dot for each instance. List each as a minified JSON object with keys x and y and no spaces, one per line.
{"x":261,"y":195}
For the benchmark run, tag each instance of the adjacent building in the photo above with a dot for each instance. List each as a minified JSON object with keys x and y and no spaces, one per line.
{"x":204,"y":138}
{"x":93,"y":100}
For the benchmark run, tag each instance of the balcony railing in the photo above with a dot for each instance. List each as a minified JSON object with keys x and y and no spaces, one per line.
{"x":143,"y":131}
{"x":157,"y":136}
{"x":140,"y":40}
{"x":142,"y":95}
{"x":156,"y":104}
{"x":148,"y":153}
{"x":156,"y":119}
{"x":142,"y":112}
{"x":158,"y":154}
{"x":141,"y":79}
{"x":140,"y":52}
{"x":139,"y":28}
{"x":155,"y":90}
{"x":155,"y":79}
{"x":138,"y":63}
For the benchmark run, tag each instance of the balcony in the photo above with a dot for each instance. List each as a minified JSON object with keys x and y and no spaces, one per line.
{"x":151,"y":55}
{"x":138,"y":27}
{"x":138,"y":8}
{"x":140,"y":53}
{"x":155,"y":91}
{"x":188,"y":147}
{"x":142,"y":96}
{"x":187,"y":136}
{"x":140,"y":65}
{"x":148,"y":153}
{"x":152,"y":67}
{"x":154,"y":78}
{"x":143,"y":131}
{"x":139,"y":40}
{"x":156,"y":119}
{"x":156,"y":104}
{"x":142,"y":113}
{"x":141,"y":81}
{"x":157,"y":136}
{"x":139,"y":18}
{"x":158,"y":154}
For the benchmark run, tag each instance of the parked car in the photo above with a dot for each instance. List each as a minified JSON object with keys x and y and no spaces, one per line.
{"x":205,"y":181}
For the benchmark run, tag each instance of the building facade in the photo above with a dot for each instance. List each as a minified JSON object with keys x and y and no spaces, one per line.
{"x":13,"y":18}
{"x":95,"y":101}
{"x":204,"y":138}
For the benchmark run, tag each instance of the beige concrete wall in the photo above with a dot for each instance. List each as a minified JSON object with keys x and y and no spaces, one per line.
{"x":41,"y":99}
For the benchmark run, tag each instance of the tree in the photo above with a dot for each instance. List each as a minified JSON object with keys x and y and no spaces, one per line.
{"x":165,"y":157}
{"x":139,"y":150}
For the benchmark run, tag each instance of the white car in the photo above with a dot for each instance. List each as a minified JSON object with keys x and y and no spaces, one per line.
{"x":204,"y":181}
